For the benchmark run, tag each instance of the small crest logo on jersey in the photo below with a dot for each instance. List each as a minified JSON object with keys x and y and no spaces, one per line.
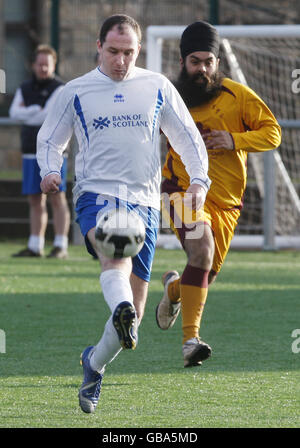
{"x":101,"y":123}
{"x":119,"y":98}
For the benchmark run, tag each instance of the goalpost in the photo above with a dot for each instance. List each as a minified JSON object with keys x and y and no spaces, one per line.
{"x":265,"y":57}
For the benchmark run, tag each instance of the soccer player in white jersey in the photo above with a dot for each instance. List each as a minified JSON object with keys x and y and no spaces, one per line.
{"x":117,"y":111}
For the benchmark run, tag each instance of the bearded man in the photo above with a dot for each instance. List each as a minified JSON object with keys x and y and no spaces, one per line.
{"x":233,"y":121}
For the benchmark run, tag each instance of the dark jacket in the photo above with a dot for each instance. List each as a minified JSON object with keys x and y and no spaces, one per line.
{"x":35,"y":92}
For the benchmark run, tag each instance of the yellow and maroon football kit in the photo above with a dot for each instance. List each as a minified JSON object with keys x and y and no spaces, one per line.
{"x":253,"y":128}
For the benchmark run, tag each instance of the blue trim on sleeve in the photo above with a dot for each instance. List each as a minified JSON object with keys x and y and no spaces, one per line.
{"x":79,"y":112}
{"x":159,"y":103}
{"x":202,"y":182}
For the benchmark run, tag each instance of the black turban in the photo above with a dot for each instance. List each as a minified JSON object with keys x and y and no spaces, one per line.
{"x":199,"y":36}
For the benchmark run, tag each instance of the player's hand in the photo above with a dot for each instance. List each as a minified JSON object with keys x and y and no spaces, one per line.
{"x":195,"y":197}
{"x":218,"y":139}
{"x":51,"y":183}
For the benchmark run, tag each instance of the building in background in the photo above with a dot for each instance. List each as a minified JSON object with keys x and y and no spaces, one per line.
{"x":22,"y":28}
{"x":26,"y":23}
{"x":72,"y":27}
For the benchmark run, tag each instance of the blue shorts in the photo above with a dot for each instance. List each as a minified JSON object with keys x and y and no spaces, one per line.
{"x":89,"y":208}
{"x":31,"y":175}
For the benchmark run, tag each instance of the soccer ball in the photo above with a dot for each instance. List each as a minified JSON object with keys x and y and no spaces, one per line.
{"x":120,"y":233}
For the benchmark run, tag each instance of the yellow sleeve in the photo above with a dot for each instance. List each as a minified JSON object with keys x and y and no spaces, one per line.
{"x":262,"y":131}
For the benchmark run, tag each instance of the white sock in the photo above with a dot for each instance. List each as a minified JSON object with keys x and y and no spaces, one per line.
{"x":107,"y":348}
{"x":36,"y":243}
{"x":61,"y":241}
{"x":116,"y":288}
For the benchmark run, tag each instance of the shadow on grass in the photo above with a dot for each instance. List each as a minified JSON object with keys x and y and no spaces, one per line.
{"x":45,"y":334}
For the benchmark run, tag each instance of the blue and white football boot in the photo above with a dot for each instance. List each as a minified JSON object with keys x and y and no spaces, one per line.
{"x":90,"y":389}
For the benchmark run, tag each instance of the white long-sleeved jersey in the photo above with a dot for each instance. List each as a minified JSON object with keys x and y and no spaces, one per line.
{"x":117,"y":126}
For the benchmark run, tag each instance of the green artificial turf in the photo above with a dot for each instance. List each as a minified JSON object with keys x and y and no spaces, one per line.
{"x":52,"y":309}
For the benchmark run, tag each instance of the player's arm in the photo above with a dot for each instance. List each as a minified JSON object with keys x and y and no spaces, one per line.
{"x":18,"y":110}
{"x":53,"y":139}
{"x":178,"y":125}
{"x":262,"y":131}
{"x":38,"y":118}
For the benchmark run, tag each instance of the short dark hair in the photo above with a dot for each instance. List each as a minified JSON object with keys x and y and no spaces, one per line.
{"x":121,"y":20}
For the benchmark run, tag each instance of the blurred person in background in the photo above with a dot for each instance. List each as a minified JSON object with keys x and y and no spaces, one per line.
{"x":30,"y":105}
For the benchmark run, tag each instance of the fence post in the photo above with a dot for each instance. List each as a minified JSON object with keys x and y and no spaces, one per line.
{"x":2,"y":81}
{"x":55,"y":6}
{"x":269,"y":206}
{"x":2,"y":341}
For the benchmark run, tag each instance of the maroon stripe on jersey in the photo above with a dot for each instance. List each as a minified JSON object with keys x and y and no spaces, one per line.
{"x":236,"y":207}
{"x":240,"y":207}
{"x":212,"y":272}
{"x":169,"y":187}
{"x":180,"y":231}
{"x":232,"y":140}
{"x":225,"y":89}
{"x":193,"y":276}
{"x":174,"y":178}
{"x":246,"y":127}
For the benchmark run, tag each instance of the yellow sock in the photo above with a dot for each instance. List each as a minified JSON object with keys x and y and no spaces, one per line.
{"x":193,"y":292}
{"x":174,"y":291}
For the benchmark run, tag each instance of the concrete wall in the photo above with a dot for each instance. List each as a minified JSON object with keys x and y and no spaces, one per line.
{"x":10,"y":154}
